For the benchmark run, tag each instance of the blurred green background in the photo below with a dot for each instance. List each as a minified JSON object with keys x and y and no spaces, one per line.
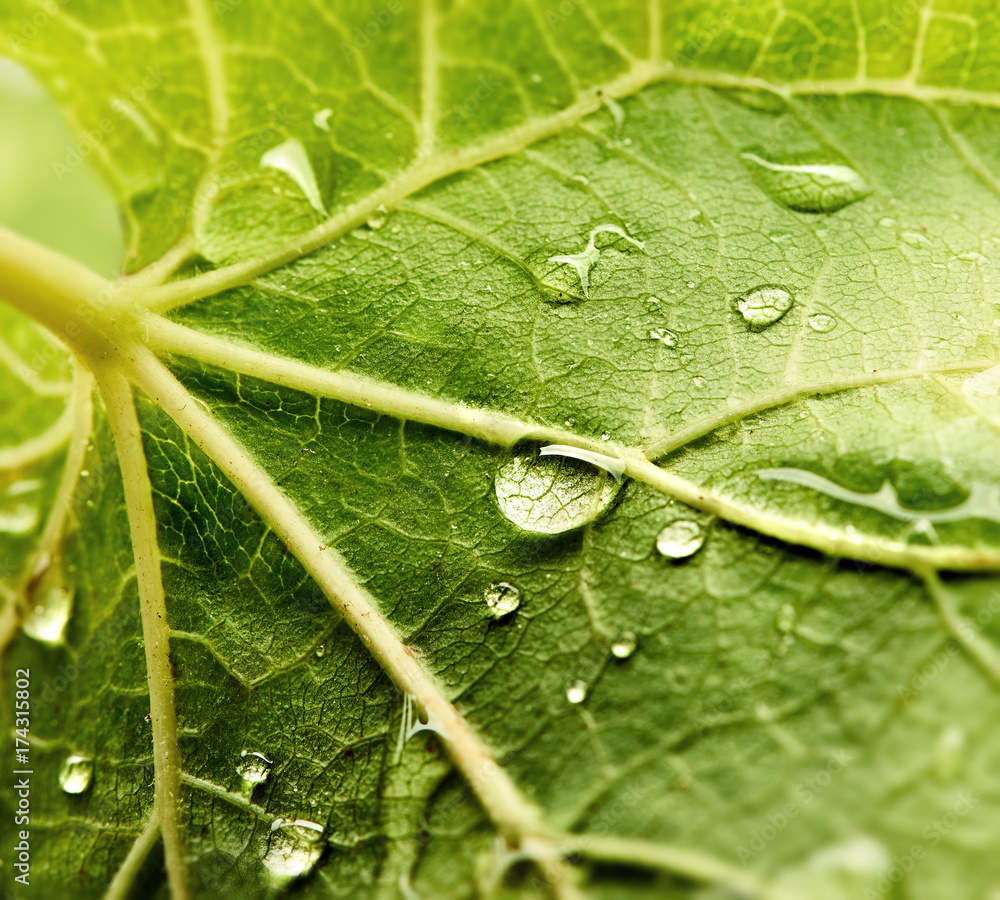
{"x":75,"y":215}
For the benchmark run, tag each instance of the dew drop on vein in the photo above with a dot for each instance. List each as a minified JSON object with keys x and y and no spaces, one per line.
{"x":553,"y":494}
{"x":502,"y":599}
{"x":76,"y":774}
{"x":680,"y":539}
{"x":806,"y":182}
{"x":624,"y":645}
{"x":292,"y":159}
{"x":764,"y":306}
{"x":576,"y":693}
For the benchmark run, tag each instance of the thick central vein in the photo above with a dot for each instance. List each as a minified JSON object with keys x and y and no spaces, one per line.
{"x":117,"y":395}
{"x":508,"y":809}
{"x":500,"y":429}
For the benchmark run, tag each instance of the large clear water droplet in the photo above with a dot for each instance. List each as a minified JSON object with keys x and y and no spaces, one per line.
{"x":293,"y":849}
{"x":47,"y":618}
{"x":624,"y":645}
{"x":806,"y":182}
{"x":76,"y":774}
{"x":502,"y":599}
{"x":680,"y":539}
{"x":553,"y":494}
{"x":253,"y":769}
{"x":764,"y":306}
{"x":822,"y":323}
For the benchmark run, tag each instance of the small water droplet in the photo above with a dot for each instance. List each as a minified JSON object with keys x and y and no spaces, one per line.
{"x":887,"y":222}
{"x":253,"y":769}
{"x":680,"y":539}
{"x":292,"y":159}
{"x":605,"y":435}
{"x":553,"y":494}
{"x":764,"y":306}
{"x":949,"y":753}
{"x":502,"y":598}
{"x":19,"y":520}
{"x":664,"y":336}
{"x":806,"y":182}
{"x":822,"y":323}
{"x":377,"y":220}
{"x":576,"y":692}
{"x":46,"y":621}
{"x":321,"y":118}
{"x":786,"y":618}
{"x":758,"y":101}
{"x":76,"y":774}
{"x":915,"y":238}
{"x":624,"y":645}
{"x":293,"y":849}
{"x":321,"y":651}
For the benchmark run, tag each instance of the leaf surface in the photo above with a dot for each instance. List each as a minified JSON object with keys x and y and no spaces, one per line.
{"x":540,"y":223}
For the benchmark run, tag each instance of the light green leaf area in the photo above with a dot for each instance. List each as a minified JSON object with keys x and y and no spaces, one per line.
{"x":378,"y":257}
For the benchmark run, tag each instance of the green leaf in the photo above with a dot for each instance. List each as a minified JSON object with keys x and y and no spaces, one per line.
{"x":309,"y":609}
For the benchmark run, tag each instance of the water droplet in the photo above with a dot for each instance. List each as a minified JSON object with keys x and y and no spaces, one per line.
{"x":253,"y":769}
{"x":292,"y":159}
{"x":680,"y":539}
{"x":502,"y":598}
{"x":664,"y":336}
{"x":553,"y":494}
{"x":583,"y":261}
{"x":28,"y":486}
{"x":293,"y":849}
{"x":76,"y":774}
{"x":321,"y":118}
{"x":617,"y":113}
{"x":764,"y":306}
{"x":887,"y":222}
{"x":624,"y":645}
{"x":321,"y":651}
{"x":758,"y":101}
{"x":822,"y":323}
{"x":378,"y":218}
{"x":949,"y":753}
{"x":46,"y":621}
{"x":576,"y":692}
{"x":786,"y":618}
{"x":807,"y":182}
{"x":915,"y":238}
{"x":605,"y":435}
{"x":19,"y":520}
